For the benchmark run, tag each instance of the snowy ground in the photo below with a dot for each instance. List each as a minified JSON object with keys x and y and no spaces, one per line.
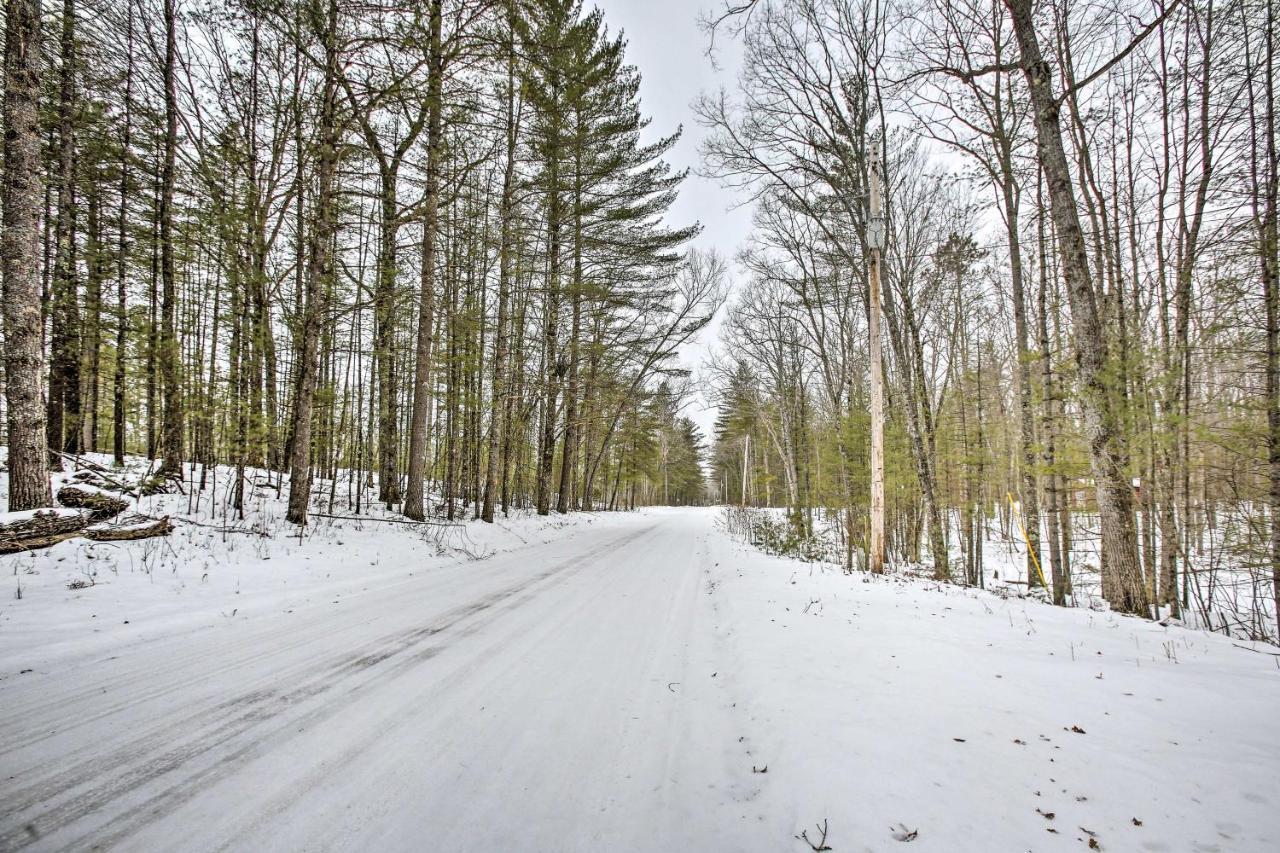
{"x":614,"y":682}
{"x":1228,"y":592}
{"x":217,"y":568}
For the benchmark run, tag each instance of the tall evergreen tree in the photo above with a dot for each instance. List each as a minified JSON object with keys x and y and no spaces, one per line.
{"x":19,"y":259}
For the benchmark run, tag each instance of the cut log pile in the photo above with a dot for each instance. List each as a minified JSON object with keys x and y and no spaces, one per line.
{"x":89,"y":505}
{"x":100,"y":504}
{"x":26,"y":531}
{"x":103,"y":480}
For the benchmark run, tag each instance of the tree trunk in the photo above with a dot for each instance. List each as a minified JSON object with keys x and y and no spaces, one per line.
{"x":122,"y":260}
{"x":551,"y":320}
{"x":1026,"y":420}
{"x":169,"y":355}
{"x":1267,"y":185}
{"x":153,"y":327}
{"x":568,"y":456}
{"x":19,"y":257}
{"x":64,"y":367}
{"x":1123,"y":583}
{"x":91,"y":327}
{"x":320,"y":269}
{"x":497,"y":405}
{"x":1057,"y":570}
{"x":418,"y":439}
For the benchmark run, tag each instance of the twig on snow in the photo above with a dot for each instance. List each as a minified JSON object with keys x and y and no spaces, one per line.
{"x":428,"y":522}
{"x":1257,"y":651}
{"x":822,"y":841}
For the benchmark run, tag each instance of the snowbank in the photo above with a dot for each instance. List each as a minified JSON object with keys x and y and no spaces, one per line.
{"x":892,"y":706}
{"x":78,"y":595}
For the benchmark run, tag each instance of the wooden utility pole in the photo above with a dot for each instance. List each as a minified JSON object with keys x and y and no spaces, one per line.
{"x":875,"y":242}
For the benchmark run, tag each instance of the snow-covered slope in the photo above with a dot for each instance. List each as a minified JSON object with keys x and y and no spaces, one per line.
{"x":896,"y":706}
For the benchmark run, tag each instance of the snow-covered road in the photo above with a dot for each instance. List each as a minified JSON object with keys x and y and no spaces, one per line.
{"x":641,"y":682}
{"x":529,"y":701}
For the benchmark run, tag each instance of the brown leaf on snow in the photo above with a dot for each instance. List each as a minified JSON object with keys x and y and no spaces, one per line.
{"x":901,"y":833}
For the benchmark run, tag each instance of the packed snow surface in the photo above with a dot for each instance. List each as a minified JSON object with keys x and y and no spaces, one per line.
{"x":613,"y":682}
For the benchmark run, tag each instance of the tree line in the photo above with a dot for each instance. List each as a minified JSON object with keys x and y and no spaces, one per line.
{"x":411,"y":254}
{"x":1080,"y":285}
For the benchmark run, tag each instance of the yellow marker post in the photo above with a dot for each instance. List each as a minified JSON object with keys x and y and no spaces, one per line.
{"x":1035,"y":561}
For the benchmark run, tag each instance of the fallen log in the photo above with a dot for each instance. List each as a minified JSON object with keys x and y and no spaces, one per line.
{"x":137,"y":527}
{"x":40,"y":528}
{"x":100,"y":504}
{"x":430,"y":522}
{"x":88,"y":471}
{"x":98,"y":480}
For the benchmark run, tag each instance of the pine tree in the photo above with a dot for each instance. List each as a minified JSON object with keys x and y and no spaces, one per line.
{"x":19,"y":259}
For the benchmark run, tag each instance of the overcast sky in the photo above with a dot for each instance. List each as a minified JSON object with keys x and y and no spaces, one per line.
{"x":665,"y":42}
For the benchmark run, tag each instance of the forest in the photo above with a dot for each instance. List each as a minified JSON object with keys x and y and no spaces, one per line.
{"x":414,"y":255}
{"x":419,"y":256}
{"x":562,"y":426}
{"x":1079,"y":279}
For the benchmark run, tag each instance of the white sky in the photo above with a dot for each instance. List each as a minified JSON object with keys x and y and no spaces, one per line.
{"x":665,"y":42}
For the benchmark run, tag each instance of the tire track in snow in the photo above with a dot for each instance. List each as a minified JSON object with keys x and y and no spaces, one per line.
{"x":259,"y":639}
{"x":255,"y":716}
